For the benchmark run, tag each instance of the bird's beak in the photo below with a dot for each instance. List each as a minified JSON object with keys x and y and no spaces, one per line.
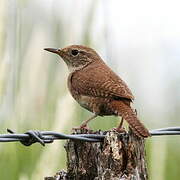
{"x":53,"y":50}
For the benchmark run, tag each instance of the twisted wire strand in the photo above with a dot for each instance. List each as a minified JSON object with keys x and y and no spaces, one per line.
{"x":44,"y":137}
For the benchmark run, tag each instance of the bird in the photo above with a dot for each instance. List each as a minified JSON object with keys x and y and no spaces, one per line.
{"x":97,"y":88}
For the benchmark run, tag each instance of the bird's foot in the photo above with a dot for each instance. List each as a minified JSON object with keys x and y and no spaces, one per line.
{"x":119,"y":129}
{"x":82,"y":127}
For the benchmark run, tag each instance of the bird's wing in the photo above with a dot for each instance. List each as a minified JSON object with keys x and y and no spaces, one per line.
{"x":99,"y":80}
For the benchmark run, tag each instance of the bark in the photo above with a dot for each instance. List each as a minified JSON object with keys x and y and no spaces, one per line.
{"x":119,"y":157}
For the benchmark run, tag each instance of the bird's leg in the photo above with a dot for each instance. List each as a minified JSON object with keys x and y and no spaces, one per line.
{"x":121,"y":123}
{"x":120,"y":128}
{"x":84,"y":123}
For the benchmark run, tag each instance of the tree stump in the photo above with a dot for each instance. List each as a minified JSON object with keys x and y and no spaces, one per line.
{"x":118,"y":157}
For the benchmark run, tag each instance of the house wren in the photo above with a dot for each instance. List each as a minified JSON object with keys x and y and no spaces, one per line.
{"x":97,"y":88}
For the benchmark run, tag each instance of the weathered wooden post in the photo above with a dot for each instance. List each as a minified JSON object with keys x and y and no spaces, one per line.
{"x":118,"y":157}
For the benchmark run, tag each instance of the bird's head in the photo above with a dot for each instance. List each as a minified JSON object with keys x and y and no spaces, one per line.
{"x":76,"y":56}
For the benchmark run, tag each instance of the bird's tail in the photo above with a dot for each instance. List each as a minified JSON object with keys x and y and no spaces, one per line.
{"x":126,"y":112}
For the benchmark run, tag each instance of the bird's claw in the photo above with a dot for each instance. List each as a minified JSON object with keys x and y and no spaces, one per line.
{"x":82,"y":129}
{"x":119,"y":130}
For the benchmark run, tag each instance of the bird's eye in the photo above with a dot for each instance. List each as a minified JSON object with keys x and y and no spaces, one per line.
{"x":74,"y":52}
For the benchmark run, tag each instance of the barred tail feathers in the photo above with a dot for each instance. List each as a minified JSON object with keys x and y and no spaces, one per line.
{"x":127,"y":113}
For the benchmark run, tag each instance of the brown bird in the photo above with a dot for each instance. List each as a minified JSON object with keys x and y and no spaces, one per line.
{"x":97,"y":88}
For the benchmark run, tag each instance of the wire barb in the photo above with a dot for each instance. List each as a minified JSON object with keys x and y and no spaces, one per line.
{"x":44,"y":137}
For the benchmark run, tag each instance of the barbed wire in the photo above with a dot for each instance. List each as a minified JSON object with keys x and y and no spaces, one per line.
{"x":43,"y":137}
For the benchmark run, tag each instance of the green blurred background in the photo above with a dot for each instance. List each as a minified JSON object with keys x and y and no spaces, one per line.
{"x":140,"y":40}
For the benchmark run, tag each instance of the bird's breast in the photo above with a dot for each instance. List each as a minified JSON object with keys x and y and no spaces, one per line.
{"x":84,"y":101}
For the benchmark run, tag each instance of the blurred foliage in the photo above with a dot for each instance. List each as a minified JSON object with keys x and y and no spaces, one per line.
{"x":33,"y":91}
